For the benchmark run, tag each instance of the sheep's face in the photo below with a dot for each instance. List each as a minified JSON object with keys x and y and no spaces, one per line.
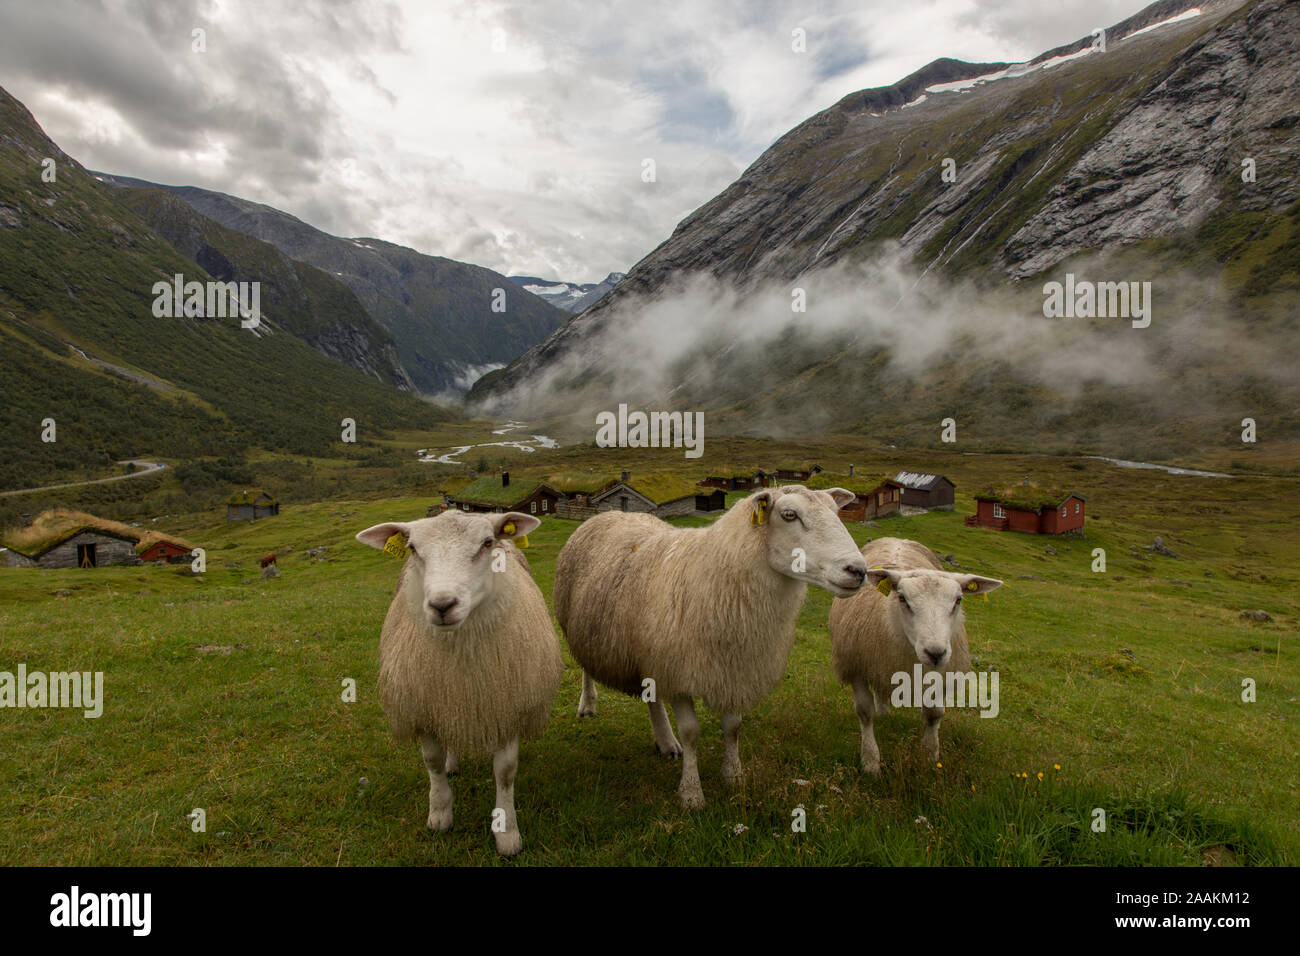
{"x":453,"y":563}
{"x":926,"y":607}
{"x":806,"y":539}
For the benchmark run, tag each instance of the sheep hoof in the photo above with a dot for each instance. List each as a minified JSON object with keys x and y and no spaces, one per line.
{"x":692,"y":799}
{"x":871,"y":767}
{"x":452,"y":766}
{"x":586,"y":710}
{"x":439,"y":821}
{"x":673,"y":750}
{"x":509,"y":844}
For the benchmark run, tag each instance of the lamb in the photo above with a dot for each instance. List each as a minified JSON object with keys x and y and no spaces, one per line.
{"x":886,"y":629}
{"x":701,"y":612}
{"x":469,"y":661}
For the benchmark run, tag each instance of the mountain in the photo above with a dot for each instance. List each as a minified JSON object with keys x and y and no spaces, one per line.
{"x":926,"y":292}
{"x":80,"y":342}
{"x":304,"y":301}
{"x":438,"y":311}
{"x":572,"y":297}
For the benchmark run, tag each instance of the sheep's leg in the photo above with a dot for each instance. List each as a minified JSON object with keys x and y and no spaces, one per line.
{"x":731,"y":772}
{"x":505,"y":763}
{"x":865,"y":704}
{"x":930,"y":739}
{"x":688,"y":725}
{"x":451,"y":765}
{"x":439,"y":790}
{"x":587,"y":702}
{"x":665,"y":742}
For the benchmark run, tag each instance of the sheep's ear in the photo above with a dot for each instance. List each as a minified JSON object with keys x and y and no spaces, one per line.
{"x":977,"y":586}
{"x":378,"y":536}
{"x":883,"y":580}
{"x":842,"y":496}
{"x":513,"y":524}
{"x":761,"y":505}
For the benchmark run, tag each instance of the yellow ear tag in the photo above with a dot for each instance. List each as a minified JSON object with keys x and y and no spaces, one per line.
{"x":972,"y":586}
{"x":396,"y":545}
{"x":508,"y":529}
{"x":885,"y":586}
{"x":759,"y":514}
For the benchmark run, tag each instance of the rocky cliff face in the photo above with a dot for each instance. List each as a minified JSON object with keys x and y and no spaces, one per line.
{"x":1080,"y":150}
{"x":438,"y":311}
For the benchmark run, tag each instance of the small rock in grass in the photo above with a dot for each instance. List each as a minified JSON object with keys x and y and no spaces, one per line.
{"x":270,"y":571}
{"x":1257,"y":614}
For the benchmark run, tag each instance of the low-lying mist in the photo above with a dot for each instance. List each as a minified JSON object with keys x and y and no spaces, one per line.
{"x":879,"y":344}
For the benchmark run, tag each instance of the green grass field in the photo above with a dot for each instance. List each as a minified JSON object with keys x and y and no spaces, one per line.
{"x":224,"y":692}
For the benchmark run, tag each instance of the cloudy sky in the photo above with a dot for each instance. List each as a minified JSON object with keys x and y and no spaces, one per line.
{"x":508,"y":134}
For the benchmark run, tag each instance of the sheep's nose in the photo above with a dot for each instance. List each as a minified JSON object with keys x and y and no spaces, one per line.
{"x":443,"y":605}
{"x":935,"y":656}
{"x":856,"y":570}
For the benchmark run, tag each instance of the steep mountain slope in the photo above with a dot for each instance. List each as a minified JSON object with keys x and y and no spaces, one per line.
{"x":572,"y":297}
{"x":301,"y":299}
{"x":80,"y":344}
{"x":438,"y":311}
{"x":1127,"y":162}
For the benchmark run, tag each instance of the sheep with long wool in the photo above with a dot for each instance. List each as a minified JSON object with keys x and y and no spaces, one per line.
{"x":910,"y":614}
{"x":469,"y":661}
{"x":674,"y":614}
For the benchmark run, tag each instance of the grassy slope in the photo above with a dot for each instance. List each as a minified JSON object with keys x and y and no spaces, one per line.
{"x":79,"y":270}
{"x":261,"y":739}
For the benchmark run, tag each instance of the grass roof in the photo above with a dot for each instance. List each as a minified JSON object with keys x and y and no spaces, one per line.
{"x":52,"y":528}
{"x":858,"y":484}
{"x":488,"y":490}
{"x":663,"y":488}
{"x":248,"y":498}
{"x":582,"y":482}
{"x":1029,"y":499}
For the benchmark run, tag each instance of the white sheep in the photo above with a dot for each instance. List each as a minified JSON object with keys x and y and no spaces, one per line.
{"x":469,"y":661}
{"x":702,"y":612}
{"x":875,"y":635}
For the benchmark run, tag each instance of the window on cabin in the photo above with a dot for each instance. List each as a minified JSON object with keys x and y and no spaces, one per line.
{"x":1063,"y":509}
{"x":543,"y":504}
{"x":532,"y":506}
{"x":998,"y":511}
{"x":1076,"y":507}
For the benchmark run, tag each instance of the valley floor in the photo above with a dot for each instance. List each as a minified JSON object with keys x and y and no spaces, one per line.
{"x":1120,"y":690}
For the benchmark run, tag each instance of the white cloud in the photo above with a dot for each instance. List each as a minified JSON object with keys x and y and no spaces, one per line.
{"x":399,"y":120}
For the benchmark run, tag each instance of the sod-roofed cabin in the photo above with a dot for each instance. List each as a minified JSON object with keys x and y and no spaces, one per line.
{"x":1029,"y":510}
{"x":496,"y":493}
{"x":874,"y":496}
{"x":924,"y":490}
{"x":797,"y":472}
{"x":739,"y":481}
{"x":664,"y":496}
{"x":73,"y":539}
{"x":245,"y":506}
{"x":166,"y":551}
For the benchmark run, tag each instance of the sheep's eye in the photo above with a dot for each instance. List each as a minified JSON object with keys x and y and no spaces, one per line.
{"x":902,"y":600}
{"x":956,"y":604}
{"x":413,"y":551}
{"x":789,"y":514}
{"x":487,"y":543}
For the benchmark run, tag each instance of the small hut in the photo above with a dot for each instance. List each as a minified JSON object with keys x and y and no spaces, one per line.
{"x":245,"y":506}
